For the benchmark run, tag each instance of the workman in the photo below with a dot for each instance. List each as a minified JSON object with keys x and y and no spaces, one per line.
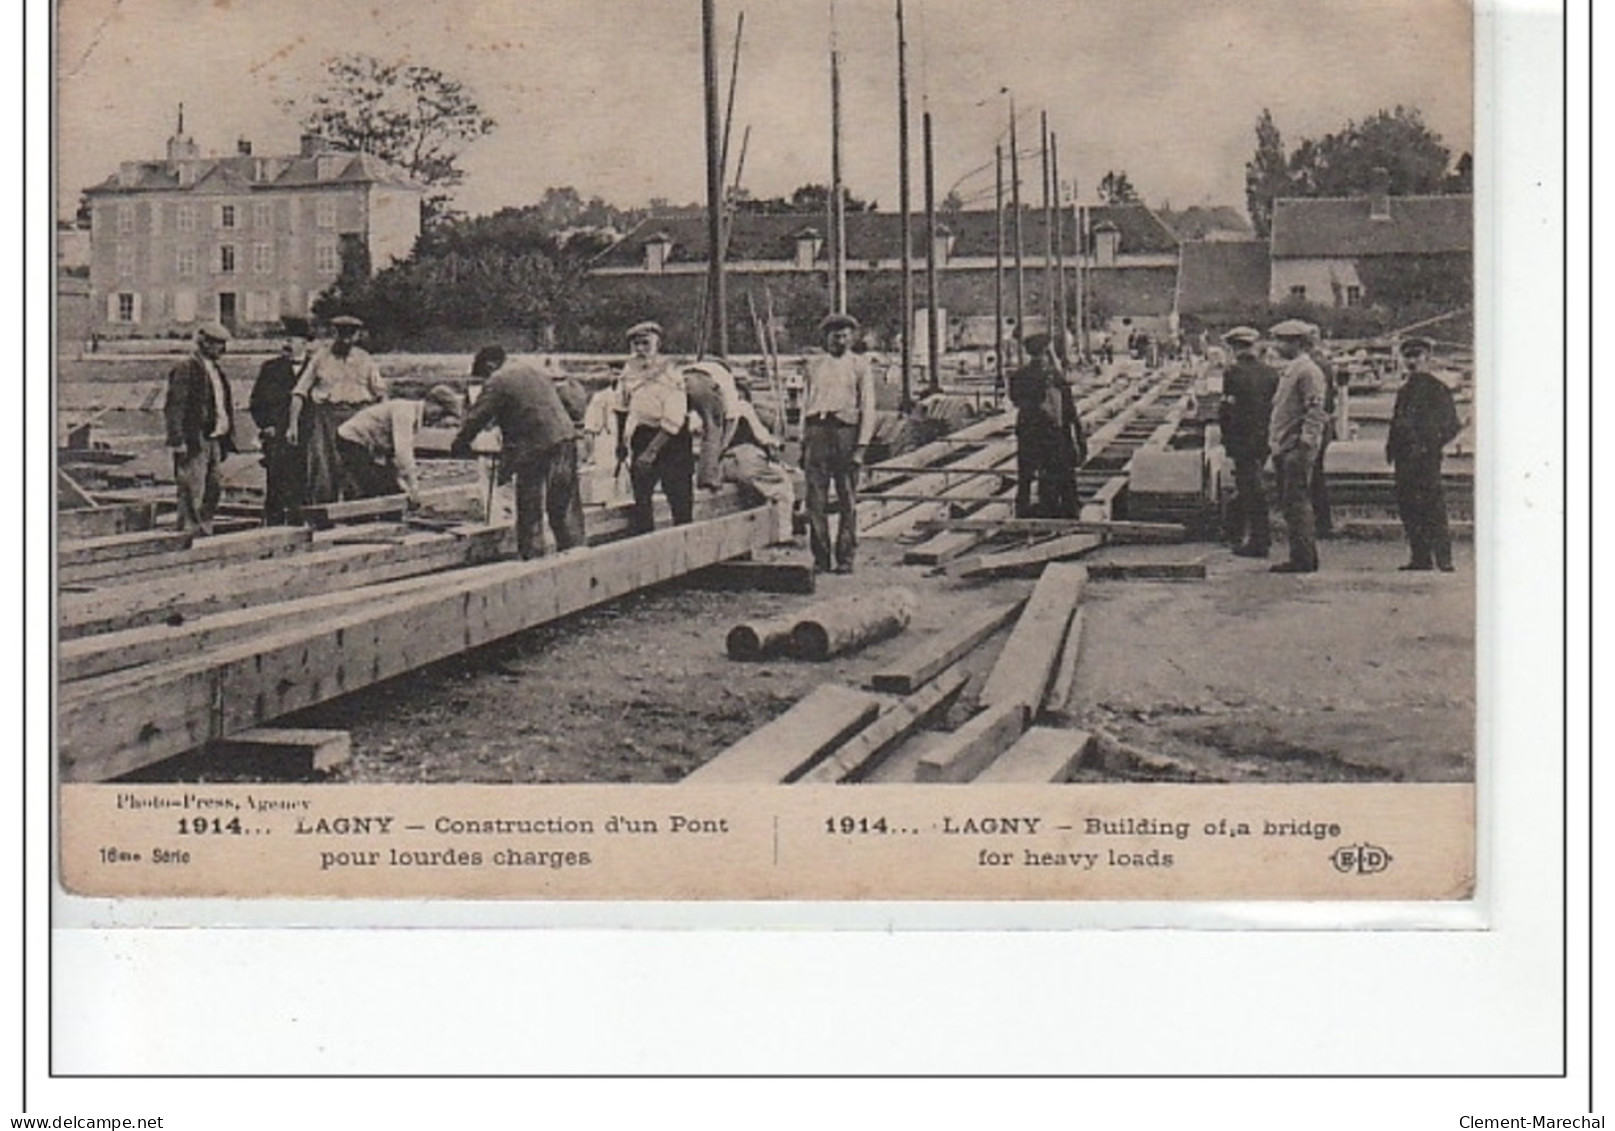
{"x":1322,"y":512}
{"x":750,"y":452}
{"x":1248,"y":386}
{"x":838,"y":420}
{"x":197,"y":416}
{"x":376,"y":445}
{"x":1295,"y":434}
{"x":285,"y":467}
{"x":654,"y":432}
{"x":1049,"y":445}
{"x":538,"y":438}
{"x":338,"y":381}
{"x":1423,"y":422}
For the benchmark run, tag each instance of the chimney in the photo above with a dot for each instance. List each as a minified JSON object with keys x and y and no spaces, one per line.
{"x":243,"y":147}
{"x":656,"y":252}
{"x":310,"y":145}
{"x":944,"y":244}
{"x":1379,"y":194}
{"x":1107,"y":240}
{"x":808,"y":243}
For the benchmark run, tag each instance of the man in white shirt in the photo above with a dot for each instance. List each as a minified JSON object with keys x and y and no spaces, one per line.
{"x":655,"y":430}
{"x":377,"y":444}
{"x":197,"y":415}
{"x":838,"y":420}
{"x":336,"y":383}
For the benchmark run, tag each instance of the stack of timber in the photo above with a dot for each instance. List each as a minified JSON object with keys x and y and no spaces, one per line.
{"x":204,"y":639}
{"x":826,"y":628}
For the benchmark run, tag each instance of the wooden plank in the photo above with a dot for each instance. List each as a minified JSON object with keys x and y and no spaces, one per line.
{"x":865,"y":750}
{"x":69,"y":494}
{"x":830,"y":628}
{"x":945,"y":547}
{"x":1148,"y":571}
{"x":175,"y":600}
{"x":117,"y":547}
{"x":756,"y":577}
{"x":960,"y":756}
{"x":782,"y":750}
{"x":1042,"y":755}
{"x":1027,"y":562}
{"x":1065,"y":675}
{"x":922,"y":663}
{"x":1115,"y":530}
{"x":300,"y":750}
{"x":178,"y":706}
{"x":892,"y":520}
{"x":104,"y":520}
{"x":1022,"y":672}
{"x":321,"y":516}
{"x":246,"y":545}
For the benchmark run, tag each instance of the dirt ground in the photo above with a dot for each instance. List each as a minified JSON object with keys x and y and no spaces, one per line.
{"x":1357,"y":673}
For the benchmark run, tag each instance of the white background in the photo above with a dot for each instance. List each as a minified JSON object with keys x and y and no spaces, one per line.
{"x":782,"y":1000}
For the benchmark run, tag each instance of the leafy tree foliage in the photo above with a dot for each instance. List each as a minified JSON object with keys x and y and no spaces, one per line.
{"x":1267,"y":174}
{"x":1116,"y":188}
{"x":813,"y":198}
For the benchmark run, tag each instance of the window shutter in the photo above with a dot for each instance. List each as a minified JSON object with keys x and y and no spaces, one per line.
{"x":136,"y":317}
{"x":112,"y":307}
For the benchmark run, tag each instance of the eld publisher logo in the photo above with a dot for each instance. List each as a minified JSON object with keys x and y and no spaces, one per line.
{"x":1363,"y":859}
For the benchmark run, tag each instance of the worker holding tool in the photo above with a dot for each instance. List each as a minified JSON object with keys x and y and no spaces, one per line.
{"x":1295,"y":435}
{"x":539,"y":447}
{"x":654,"y":436}
{"x":838,"y":421}
{"x":338,"y":381}
{"x":376,"y":445}
{"x":197,"y":415}
{"x":1248,"y":386}
{"x":1423,"y":422}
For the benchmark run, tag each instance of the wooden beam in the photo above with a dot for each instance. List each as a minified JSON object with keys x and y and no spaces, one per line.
{"x":830,"y":628}
{"x":104,"y":520}
{"x":118,"y":547}
{"x":960,"y":756}
{"x":299,"y":751}
{"x":920,"y":664}
{"x":1028,"y":562}
{"x":756,"y":577}
{"x":69,"y":494}
{"x":178,"y":706}
{"x":1022,"y":672}
{"x":782,"y":750}
{"x":1058,"y":697}
{"x":1115,"y":530}
{"x":243,"y":546}
{"x":1148,"y":571}
{"x":1041,"y":755}
{"x":942,"y":548}
{"x":865,"y":750}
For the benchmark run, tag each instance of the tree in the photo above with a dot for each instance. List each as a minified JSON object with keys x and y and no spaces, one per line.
{"x":1267,"y":174}
{"x":1115,"y":188}
{"x":813,"y":198}
{"x":411,"y":116}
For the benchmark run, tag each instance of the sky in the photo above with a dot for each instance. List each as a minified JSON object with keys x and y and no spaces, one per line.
{"x":606,"y":95}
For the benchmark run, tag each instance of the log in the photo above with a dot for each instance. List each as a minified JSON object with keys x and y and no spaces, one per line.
{"x":760,"y":639}
{"x":1025,"y":563}
{"x":782,"y":750}
{"x":756,"y":577}
{"x":865,"y":750}
{"x":178,"y":706}
{"x":920,"y":664}
{"x":1042,"y":755}
{"x":243,"y":546}
{"x":1022,"y":672}
{"x":960,"y":756}
{"x":117,"y":547}
{"x":832,"y":627}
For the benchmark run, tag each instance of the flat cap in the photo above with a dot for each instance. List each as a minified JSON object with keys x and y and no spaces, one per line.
{"x":445,"y":397}
{"x":1418,"y":343}
{"x":347,"y":322}
{"x":1242,"y":336}
{"x":1291,"y":328}
{"x":1036,"y":343}
{"x":833,"y":322}
{"x":645,"y":330}
{"x":213,"y":331}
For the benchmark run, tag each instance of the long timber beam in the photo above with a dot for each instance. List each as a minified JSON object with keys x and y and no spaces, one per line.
{"x":182,"y":705}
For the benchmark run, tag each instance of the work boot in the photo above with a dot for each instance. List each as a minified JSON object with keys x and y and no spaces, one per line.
{"x":1445,"y":567}
{"x":844,"y":567}
{"x":1416,"y":567}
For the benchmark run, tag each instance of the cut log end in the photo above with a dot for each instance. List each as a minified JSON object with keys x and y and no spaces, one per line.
{"x":743,"y":643}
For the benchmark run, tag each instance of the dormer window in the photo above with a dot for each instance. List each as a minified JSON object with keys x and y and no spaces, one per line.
{"x":808,"y":243}
{"x":327,"y":165}
{"x":1107,"y":242}
{"x":656,"y":249}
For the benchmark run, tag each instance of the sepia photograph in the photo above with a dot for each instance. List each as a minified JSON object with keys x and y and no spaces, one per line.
{"x":501,"y":446}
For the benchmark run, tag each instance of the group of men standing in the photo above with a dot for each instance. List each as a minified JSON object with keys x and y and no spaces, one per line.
{"x":1288,"y":416}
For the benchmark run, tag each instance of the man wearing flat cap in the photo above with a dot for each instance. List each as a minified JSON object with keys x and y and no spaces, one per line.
{"x":197,"y":416}
{"x":1248,"y":386}
{"x":838,"y":421}
{"x":338,"y":381}
{"x":1423,"y":422}
{"x":1049,"y":445}
{"x":377,"y":443}
{"x":654,"y":430}
{"x":285,"y":467}
{"x":1295,"y":436}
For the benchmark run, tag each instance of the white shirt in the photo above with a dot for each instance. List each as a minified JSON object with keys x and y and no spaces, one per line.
{"x":221,"y":410}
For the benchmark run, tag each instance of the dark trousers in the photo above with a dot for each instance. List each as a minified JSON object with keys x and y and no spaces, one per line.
{"x":1422,"y":505}
{"x":674,"y":469}
{"x":360,"y":476}
{"x":1059,"y":488}
{"x":1295,"y":498}
{"x":1031,"y":455}
{"x":827,"y":450}
{"x":547,"y":488}
{"x":1248,"y":517}
{"x":197,"y":481}
{"x":1322,"y":513}
{"x":319,"y":438}
{"x":285,"y":470}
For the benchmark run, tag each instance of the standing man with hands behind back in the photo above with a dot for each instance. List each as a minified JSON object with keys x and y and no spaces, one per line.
{"x":1295,"y":434}
{"x":197,"y":416}
{"x":838,"y":421}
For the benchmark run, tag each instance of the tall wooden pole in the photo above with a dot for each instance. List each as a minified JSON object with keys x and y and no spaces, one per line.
{"x":1081,"y":222}
{"x":1015,"y":227}
{"x":932,"y":336}
{"x":838,"y":204}
{"x":903,"y":193}
{"x":718,"y":305}
{"x":1048,"y":231}
{"x":1059,"y":241}
{"x":998,"y":273}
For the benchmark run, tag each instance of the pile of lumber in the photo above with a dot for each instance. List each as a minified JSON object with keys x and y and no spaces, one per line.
{"x":193,"y":641}
{"x":844,"y":734}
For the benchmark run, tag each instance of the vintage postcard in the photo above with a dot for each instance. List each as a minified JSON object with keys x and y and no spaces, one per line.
{"x":610,"y":450}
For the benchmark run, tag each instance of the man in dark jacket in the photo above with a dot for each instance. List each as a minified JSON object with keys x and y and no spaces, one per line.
{"x":1038,"y":441}
{"x":1424,"y":421}
{"x":1247,"y":403}
{"x":284,"y":465}
{"x":197,"y":414}
{"x":539,"y":447}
